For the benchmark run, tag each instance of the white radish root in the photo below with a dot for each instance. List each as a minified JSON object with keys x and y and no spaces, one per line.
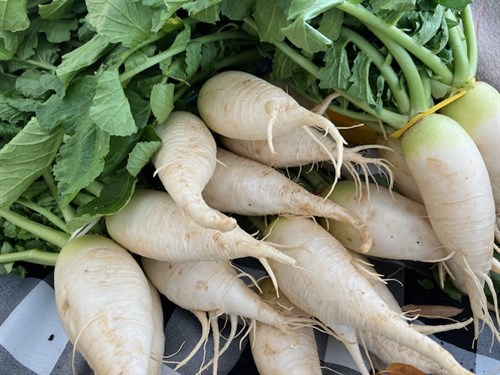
{"x":240,"y":105}
{"x":275,"y":351}
{"x":327,"y":285}
{"x":212,"y":287}
{"x":154,"y":226}
{"x":455,"y":187}
{"x":246,"y":187}
{"x":106,"y":307}
{"x":399,"y":226}
{"x":185,"y":163}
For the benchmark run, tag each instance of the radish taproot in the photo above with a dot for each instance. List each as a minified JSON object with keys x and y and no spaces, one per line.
{"x":213,"y":288}
{"x":247,"y":187}
{"x":185,"y":162}
{"x":277,"y":352}
{"x":478,"y":112}
{"x":106,"y":307}
{"x":399,"y":226}
{"x":295,"y":148}
{"x":404,"y":182}
{"x":240,"y":105}
{"x":154,"y":226}
{"x":327,"y":284}
{"x":455,"y":187}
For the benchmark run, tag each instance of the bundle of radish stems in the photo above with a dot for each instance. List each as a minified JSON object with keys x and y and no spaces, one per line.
{"x":222,"y":167}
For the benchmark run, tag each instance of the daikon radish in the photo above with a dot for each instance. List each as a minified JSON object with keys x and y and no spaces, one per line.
{"x":154,"y":226}
{"x":455,"y":187}
{"x":212,"y":287}
{"x":326,"y":284}
{"x":240,"y":105}
{"x":106,"y":307}
{"x":246,"y":187}
{"x":278,"y":352}
{"x":184,"y":163}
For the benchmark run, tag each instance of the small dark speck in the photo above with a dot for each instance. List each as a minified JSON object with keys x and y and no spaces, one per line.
{"x":51,"y":337}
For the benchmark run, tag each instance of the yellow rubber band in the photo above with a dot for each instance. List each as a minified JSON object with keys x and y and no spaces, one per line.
{"x":398,"y":133}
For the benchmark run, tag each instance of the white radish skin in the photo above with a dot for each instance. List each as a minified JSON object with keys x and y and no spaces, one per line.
{"x":327,"y":285}
{"x":399,"y":226}
{"x":389,"y":351}
{"x":478,"y":112}
{"x":403,"y":179}
{"x":210,"y":286}
{"x":246,"y":187}
{"x":154,"y":226}
{"x":278,"y":352}
{"x":104,"y":302}
{"x":158,"y":346}
{"x":185,"y":162}
{"x":296,"y":148}
{"x":240,"y":105}
{"x":455,"y":187}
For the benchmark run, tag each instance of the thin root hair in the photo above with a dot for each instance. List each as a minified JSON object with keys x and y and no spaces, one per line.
{"x":480,"y":307}
{"x":73,"y":352}
{"x":431,"y":329}
{"x":337,"y":163}
{"x":241,"y":274}
{"x":205,"y":329}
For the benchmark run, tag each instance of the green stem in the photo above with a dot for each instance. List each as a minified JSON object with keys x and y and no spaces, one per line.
{"x":418,"y":100}
{"x":36,"y":256}
{"x":432,"y":61}
{"x":459,"y":51}
{"x":394,"y":120}
{"x":316,"y":181}
{"x":49,"y":215}
{"x":67,"y":211}
{"x":95,"y":188}
{"x":181,"y":48}
{"x":38,"y":64}
{"x":385,"y":69}
{"x":471,"y":39}
{"x":46,"y":233}
{"x":83,"y":198}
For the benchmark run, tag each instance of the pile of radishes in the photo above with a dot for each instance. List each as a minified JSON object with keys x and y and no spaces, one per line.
{"x":221,"y":162}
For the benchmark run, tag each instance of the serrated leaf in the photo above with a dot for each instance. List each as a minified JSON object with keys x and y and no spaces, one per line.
{"x":25,"y":158}
{"x":237,"y":10}
{"x":308,"y":9}
{"x":142,"y":152}
{"x":162,"y":100}
{"x":207,"y":11}
{"x":80,"y":159}
{"x":270,"y":17}
{"x":360,"y":79}
{"x":306,"y":37}
{"x":335,"y":73}
{"x":9,"y":43}
{"x":68,"y":110}
{"x":110,"y":108}
{"x":114,"y":196}
{"x":35,"y":84}
{"x":13,"y":15}
{"x":123,"y":21}
{"x":55,"y":10}
{"x":82,"y":57}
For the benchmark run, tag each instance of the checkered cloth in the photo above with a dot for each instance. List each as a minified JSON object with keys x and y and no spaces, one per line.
{"x":32,"y":340}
